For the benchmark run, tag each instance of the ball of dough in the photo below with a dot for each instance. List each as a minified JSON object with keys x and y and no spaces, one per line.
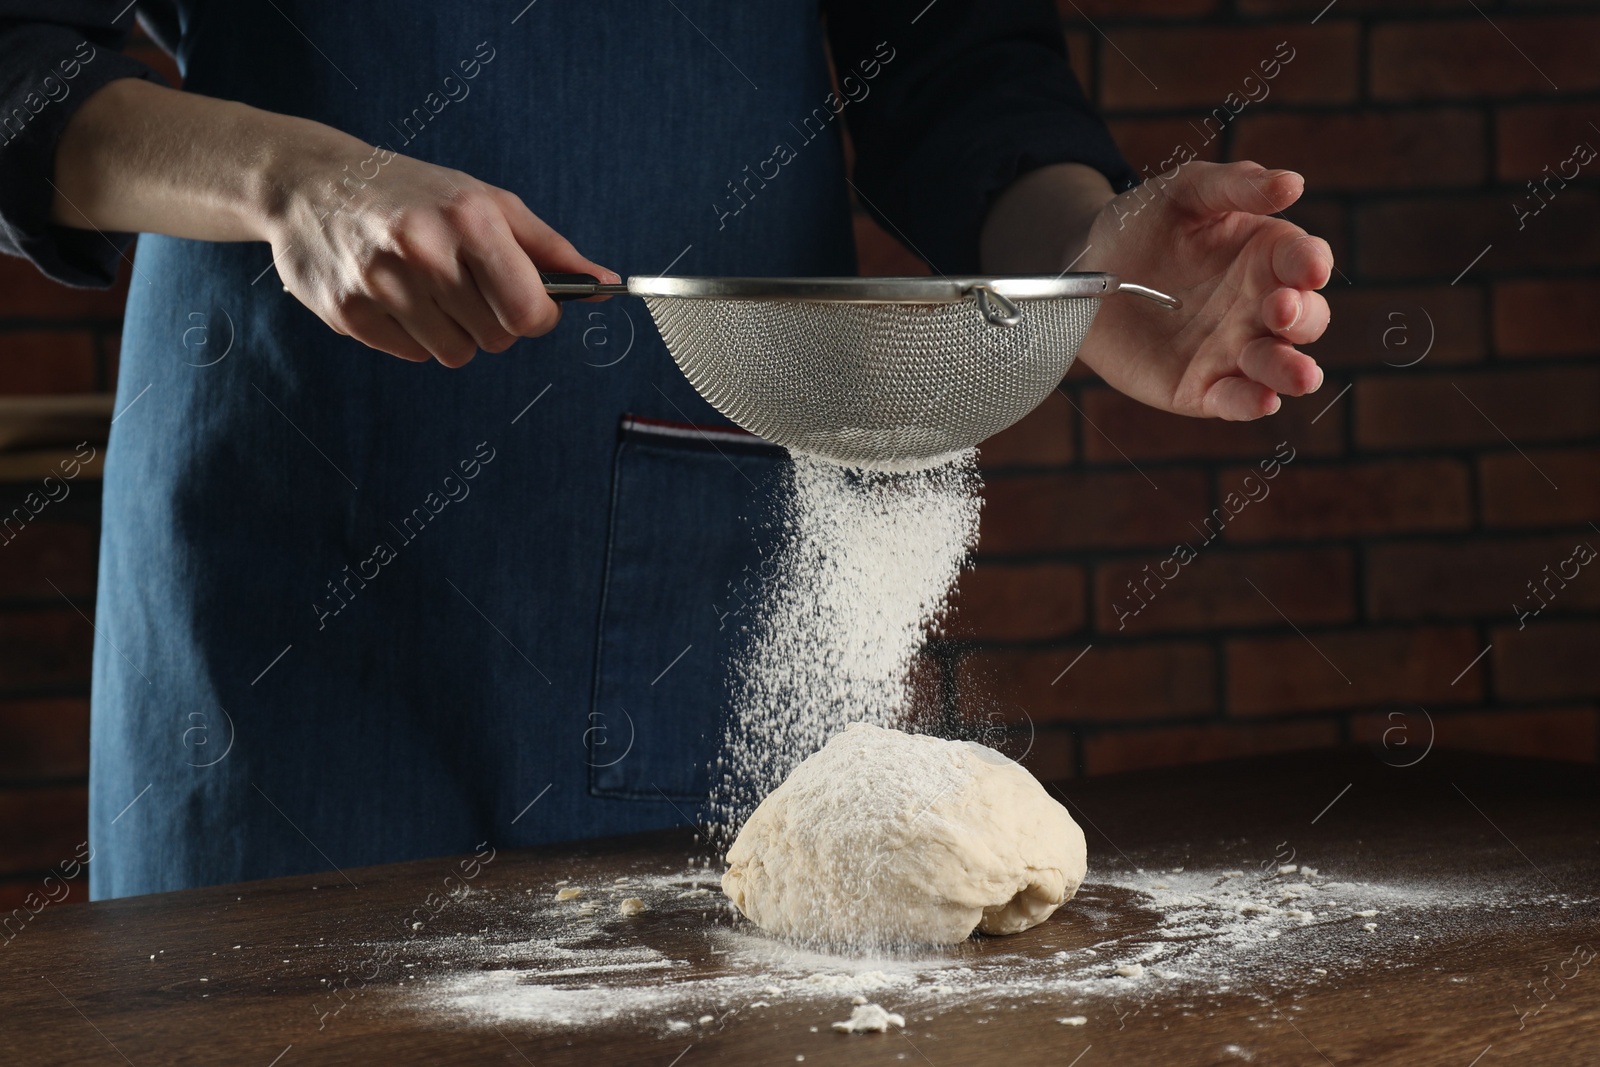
{"x":885,"y":838}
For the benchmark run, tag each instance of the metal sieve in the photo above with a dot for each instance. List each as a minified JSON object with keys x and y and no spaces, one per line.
{"x":871,"y":372}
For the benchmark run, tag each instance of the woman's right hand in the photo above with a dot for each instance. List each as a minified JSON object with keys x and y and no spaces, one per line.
{"x":406,"y":257}
{"x":419,"y":261}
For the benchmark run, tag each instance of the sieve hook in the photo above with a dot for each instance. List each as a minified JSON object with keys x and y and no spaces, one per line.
{"x":996,"y":309}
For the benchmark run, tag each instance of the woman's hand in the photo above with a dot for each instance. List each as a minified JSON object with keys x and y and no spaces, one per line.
{"x":1248,"y":284}
{"x":406,"y":257}
{"x":418,"y":261}
{"x":1206,"y":234}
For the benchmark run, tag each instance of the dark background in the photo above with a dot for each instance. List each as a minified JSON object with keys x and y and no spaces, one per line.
{"x":1350,"y":605}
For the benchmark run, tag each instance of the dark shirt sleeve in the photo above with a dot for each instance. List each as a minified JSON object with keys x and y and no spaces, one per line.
{"x":54,"y":54}
{"x":968,"y":95}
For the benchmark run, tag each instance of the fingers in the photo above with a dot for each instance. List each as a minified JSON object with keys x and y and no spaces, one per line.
{"x":376,"y":328}
{"x":432,"y":265}
{"x":424,"y":330}
{"x":506,"y":278}
{"x":1302,"y":262}
{"x":1297,"y":316}
{"x":1269,"y":367}
{"x":1238,"y":400}
{"x":464,"y":300}
{"x":416,"y":308}
{"x":1215,"y":188}
{"x":1280,"y":367}
{"x":550,"y":251}
{"x":506,"y":260}
{"x":440,"y":334}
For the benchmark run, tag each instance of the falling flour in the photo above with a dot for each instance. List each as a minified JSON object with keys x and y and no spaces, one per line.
{"x":863,"y":573}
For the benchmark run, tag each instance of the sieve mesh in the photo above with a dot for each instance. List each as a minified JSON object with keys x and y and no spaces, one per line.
{"x":877,"y":385}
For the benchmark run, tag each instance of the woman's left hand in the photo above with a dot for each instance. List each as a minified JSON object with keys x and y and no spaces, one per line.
{"x":1248,"y":284}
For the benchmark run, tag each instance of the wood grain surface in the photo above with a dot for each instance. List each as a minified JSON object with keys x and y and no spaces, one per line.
{"x":369,"y":966}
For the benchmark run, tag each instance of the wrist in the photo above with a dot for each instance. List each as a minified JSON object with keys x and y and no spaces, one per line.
{"x":300,"y":168}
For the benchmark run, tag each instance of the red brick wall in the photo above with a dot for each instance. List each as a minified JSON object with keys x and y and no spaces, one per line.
{"x":1387,"y":555}
{"x":61,"y":342}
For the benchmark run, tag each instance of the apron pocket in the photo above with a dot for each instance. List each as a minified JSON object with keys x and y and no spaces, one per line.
{"x":691,"y":511}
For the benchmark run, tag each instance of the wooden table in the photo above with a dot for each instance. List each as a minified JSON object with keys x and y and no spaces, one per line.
{"x":312,"y":970}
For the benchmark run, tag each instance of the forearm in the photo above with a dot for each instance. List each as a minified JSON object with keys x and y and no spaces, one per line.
{"x":142,"y":158}
{"x":1040,"y":224}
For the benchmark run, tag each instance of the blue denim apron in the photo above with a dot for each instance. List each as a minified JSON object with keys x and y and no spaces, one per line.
{"x":355,"y":610}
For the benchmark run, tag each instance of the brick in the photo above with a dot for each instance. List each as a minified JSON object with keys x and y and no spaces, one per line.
{"x":1128,"y":750}
{"x":1198,"y":66}
{"x":44,"y":739}
{"x":152,"y":55}
{"x":879,"y":254}
{"x":1213,"y":591}
{"x":42,"y":362}
{"x":25,"y":293}
{"x":1050,"y":755}
{"x":15,"y":892}
{"x":1018,"y":602}
{"x":41,"y":826}
{"x":929,"y":697}
{"x":1369,"y":149}
{"x":1080,"y":53}
{"x":1080,"y":372}
{"x":112,"y":345}
{"x":1274,"y":675}
{"x":1402,"y":326}
{"x":1543,"y":733}
{"x":44,"y":552}
{"x":1483,"y":578}
{"x":23,"y":470}
{"x":1550,"y":317}
{"x":1042,"y":439}
{"x":1472,"y":57}
{"x":1549,"y":660}
{"x":1538,"y":139}
{"x":1111,"y":683}
{"x":1083,"y":10}
{"x":1085,"y":509}
{"x":1431,"y":411}
{"x":1148,"y":143}
{"x":1515,"y":493}
{"x":1345,"y":7}
{"x":1440,"y":237}
{"x":44,"y":648}
{"x":1119,"y":427}
{"x":1391,"y":496}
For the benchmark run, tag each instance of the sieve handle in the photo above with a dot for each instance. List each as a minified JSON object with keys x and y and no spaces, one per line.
{"x":561,"y":287}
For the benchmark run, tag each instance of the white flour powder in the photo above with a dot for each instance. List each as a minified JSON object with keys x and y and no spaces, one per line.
{"x":864,"y":571}
{"x":1121,"y":947}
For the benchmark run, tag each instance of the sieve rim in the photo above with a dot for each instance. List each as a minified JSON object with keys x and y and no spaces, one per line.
{"x":888,"y":290}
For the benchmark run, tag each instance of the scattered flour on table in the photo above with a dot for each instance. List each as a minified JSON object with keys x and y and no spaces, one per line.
{"x":1208,"y":933}
{"x":870,"y":1019}
{"x":864,"y":571}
